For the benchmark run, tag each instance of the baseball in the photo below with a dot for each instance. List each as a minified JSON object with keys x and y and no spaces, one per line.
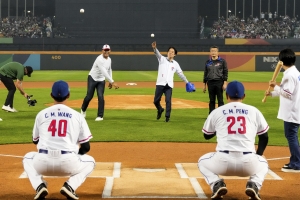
{"x":152,"y":35}
{"x":81,"y":10}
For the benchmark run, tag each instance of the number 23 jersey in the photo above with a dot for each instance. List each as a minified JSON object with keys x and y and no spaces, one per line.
{"x":60,"y":127}
{"x":236,"y":125}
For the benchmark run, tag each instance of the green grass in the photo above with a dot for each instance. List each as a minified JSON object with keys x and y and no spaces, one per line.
{"x":118,"y":76}
{"x":135,"y":125}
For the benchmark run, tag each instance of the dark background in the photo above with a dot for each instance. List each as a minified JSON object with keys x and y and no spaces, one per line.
{"x":127,"y":24}
{"x":129,"y":18}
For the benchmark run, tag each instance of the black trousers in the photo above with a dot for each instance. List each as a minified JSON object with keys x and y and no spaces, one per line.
{"x":10,"y":86}
{"x":91,"y":87}
{"x":159,"y":91}
{"x":215,"y":89}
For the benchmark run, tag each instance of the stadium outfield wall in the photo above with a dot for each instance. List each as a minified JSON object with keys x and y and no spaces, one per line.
{"x":183,"y":44}
{"x":139,"y":61}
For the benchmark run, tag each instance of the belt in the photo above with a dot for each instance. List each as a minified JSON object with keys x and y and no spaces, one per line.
{"x":46,"y":151}
{"x":226,"y":151}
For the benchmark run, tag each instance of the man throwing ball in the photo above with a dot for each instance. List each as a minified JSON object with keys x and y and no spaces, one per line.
{"x":165,"y":83}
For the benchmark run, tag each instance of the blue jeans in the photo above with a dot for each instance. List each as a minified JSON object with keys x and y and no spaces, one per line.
{"x":91,"y":87}
{"x":291,"y":134}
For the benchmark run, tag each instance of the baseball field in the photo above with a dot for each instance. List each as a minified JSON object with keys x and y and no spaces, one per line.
{"x":138,"y":156}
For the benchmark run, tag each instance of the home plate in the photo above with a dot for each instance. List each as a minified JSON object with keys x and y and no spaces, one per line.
{"x":148,"y":169}
{"x":131,"y":84}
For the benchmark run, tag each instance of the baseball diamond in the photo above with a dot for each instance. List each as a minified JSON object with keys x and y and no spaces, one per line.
{"x":135,"y":170}
{"x":123,"y":172}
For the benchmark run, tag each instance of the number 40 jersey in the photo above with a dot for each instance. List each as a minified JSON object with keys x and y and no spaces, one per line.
{"x":236,"y":125}
{"x":60,"y":127}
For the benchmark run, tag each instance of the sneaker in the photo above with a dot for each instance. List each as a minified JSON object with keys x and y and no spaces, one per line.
{"x":252,"y":191}
{"x":159,"y":112}
{"x":7,"y":108}
{"x":68,"y":191}
{"x":219,"y":190}
{"x":14,"y":110}
{"x":41,"y":191}
{"x":167,"y":119}
{"x":99,"y":119}
{"x":83,"y":113}
{"x":289,"y":169}
{"x":286,"y":165}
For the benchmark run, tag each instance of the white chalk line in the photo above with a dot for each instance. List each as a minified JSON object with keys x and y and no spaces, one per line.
{"x":13,"y":156}
{"x":117,"y":171}
{"x":195,"y":184}
{"x":109,"y":182}
{"x":282,"y":158}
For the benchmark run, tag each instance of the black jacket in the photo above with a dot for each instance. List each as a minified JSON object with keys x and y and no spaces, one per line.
{"x":215,"y":70}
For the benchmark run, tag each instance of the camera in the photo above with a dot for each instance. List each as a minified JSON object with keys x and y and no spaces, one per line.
{"x":31,"y":102}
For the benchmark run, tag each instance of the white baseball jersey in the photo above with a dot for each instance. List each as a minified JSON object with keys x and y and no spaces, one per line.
{"x":60,"y":128}
{"x":289,"y":92}
{"x":236,"y":125}
{"x":166,"y":70}
{"x":101,"y":69}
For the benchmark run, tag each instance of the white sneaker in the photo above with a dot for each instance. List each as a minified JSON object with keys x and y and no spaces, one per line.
{"x":7,"y":108}
{"x":99,"y":119}
{"x":83,"y":113}
{"x":14,"y":110}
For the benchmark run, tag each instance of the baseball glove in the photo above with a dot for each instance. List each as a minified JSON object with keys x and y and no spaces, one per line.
{"x":190,"y":87}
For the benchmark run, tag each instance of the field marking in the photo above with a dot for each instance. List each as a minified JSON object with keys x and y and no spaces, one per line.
{"x":108,"y":187}
{"x":151,"y":197}
{"x":185,"y":173}
{"x":181,"y":170}
{"x":116,"y":173}
{"x":131,"y":84}
{"x":278,"y":158}
{"x":13,"y":156}
{"x":193,"y":180}
{"x":148,"y":170}
{"x":117,"y":170}
{"x":276,"y":177}
{"x":197,"y":188}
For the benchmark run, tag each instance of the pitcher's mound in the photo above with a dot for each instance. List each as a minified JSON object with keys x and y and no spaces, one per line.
{"x":137,"y":102}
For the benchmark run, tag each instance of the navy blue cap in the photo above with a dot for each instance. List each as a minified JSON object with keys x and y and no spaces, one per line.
{"x":60,"y":89}
{"x":235,"y":89}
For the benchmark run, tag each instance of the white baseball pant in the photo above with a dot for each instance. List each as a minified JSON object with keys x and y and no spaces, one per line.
{"x":233,"y":163}
{"x":78,"y":167}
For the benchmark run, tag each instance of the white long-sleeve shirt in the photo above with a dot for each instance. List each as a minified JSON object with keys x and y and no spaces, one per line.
{"x":102,"y":69}
{"x":166,"y":70}
{"x":289,"y":92}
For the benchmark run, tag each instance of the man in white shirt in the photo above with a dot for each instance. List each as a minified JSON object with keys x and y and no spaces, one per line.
{"x":236,"y":126}
{"x":289,"y":107}
{"x":165,"y":83}
{"x":101,"y":69}
{"x":62,"y":138}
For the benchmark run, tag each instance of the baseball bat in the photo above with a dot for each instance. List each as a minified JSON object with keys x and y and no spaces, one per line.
{"x":275,"y":74}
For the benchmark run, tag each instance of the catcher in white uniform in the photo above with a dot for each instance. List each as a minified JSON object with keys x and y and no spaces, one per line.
{"x":58,"y":132}
{"x":235,"y":125}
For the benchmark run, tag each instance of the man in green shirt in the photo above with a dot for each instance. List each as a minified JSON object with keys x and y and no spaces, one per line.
{"x":9,"y":72}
